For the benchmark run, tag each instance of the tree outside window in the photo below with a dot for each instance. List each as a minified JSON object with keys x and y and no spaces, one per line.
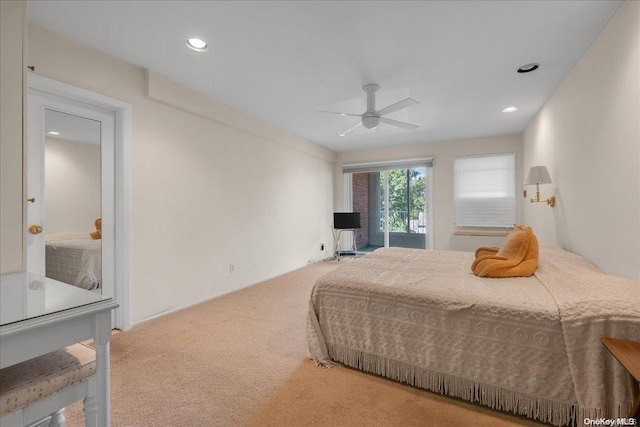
{"x":407,"y":203}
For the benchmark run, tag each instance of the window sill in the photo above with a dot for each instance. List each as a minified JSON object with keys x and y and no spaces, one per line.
{"x":481,"y":233}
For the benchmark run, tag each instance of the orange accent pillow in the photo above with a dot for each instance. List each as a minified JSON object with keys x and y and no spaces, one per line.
{"x":491,"y":250}
{"x":95,"y":235}
{"x":517,"y":257}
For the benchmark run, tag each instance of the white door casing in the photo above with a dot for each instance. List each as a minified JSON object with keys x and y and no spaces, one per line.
{"x":115,"y":117}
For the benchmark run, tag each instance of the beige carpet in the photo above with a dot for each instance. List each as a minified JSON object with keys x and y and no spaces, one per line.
{"x":240,"y":360}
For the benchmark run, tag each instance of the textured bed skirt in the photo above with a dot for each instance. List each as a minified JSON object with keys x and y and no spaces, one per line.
{"x":539,"y":408}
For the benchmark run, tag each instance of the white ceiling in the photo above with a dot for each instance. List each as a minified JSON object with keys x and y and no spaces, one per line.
{"x":72,"y":128}
{"x":284,"y":61}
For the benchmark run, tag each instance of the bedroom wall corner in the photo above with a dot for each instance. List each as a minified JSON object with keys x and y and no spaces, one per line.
{"x":588,"y":135}
{"x":205,"y":193}
{"x":72,"y":186}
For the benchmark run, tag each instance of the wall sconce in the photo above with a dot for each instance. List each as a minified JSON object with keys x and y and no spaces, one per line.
{"x":539,"y":175}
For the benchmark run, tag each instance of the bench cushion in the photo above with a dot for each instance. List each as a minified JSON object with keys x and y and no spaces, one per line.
{"x":27,"y":382}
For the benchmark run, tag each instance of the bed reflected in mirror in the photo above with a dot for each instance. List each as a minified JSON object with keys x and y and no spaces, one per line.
{"x":72,"y":200}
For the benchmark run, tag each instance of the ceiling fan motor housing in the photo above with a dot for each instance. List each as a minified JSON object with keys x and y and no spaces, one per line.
{"x":370,"y":121}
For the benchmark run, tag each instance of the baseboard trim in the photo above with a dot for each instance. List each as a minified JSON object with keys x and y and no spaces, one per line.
{"x":184,"y":307}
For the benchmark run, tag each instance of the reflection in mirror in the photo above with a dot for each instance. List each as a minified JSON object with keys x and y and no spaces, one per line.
{"x":72,"y":200}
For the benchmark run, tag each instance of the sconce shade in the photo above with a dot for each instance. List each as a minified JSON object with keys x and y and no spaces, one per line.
{"x":537,"y":175}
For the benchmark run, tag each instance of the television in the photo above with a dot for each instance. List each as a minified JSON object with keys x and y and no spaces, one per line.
{"x":346,"y":220}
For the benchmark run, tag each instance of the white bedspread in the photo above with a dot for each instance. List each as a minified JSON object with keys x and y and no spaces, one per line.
{"x":423,"y":318}
{"x":74,"y":258}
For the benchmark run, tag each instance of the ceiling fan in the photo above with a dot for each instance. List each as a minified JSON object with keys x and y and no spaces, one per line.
{"x":371,"y":118}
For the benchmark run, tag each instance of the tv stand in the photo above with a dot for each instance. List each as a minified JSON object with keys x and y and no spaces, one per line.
{"x":339,"y":253}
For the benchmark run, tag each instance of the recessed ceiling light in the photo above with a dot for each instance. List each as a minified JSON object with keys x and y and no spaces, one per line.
{"x":342,"y":134}
{"x":197,"y":45}
{"x":510,"y":109}
{"x":53,"y":132}
{"x":528,"y":68}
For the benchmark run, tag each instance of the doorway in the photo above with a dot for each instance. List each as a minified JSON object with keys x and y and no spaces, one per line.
{"x":78,"y":190}
{"x":399,"y":207}
{"x":394,"y":202}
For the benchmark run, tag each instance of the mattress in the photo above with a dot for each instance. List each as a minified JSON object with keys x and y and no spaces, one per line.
{"x":74,"y":258}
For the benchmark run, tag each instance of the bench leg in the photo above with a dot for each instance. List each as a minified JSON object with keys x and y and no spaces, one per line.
{"x":45,"y":422}
{"x":58,"y":419}
{"x":91,"y":404}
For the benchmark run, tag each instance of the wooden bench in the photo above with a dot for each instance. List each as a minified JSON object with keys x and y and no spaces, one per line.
{"x":35,"y":392}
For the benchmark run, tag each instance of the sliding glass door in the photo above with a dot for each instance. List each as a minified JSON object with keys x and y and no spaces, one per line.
{"x":394,"y":207}
{"x":404,"y":211}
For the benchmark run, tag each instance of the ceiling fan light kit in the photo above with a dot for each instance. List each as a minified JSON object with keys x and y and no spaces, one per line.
{"x":371,"y":118}
{"x":370,"y":121}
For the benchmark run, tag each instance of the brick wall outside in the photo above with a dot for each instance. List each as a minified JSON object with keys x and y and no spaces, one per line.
{"x":361,"y":204}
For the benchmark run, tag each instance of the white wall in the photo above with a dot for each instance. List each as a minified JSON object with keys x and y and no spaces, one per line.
{"x":72,"y":186}
{"x":12,"y":198}
{"x":208,"y":189}
{"x":588,"y":136}
{"x":443,"y":154}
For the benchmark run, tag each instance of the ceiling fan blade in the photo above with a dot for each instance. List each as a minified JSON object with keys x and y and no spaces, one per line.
{"x":350,"y":128}
{"x":403,"y":125}
{"x":398,"y":106}
{"x":342,"y":114}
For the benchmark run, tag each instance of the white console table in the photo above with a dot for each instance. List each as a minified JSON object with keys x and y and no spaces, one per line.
{"x":39,"y":315}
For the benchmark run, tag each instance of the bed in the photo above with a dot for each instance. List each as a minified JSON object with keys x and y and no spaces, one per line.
{"x":530,"y":346}
{"x":74,"y":258}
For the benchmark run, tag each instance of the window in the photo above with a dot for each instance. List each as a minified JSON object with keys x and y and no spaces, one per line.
{"x":484,"y":191}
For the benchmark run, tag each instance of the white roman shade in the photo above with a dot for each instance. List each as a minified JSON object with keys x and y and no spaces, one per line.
{"x":484,"y":190}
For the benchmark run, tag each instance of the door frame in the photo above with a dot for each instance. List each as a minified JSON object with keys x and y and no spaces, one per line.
{"x":122,"y":174}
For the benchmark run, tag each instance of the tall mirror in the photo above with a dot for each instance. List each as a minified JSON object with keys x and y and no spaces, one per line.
{"x":72,"y":200}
